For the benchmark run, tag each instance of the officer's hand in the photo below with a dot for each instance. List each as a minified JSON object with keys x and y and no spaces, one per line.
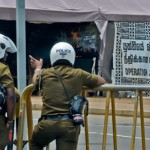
{"x":36,"y":64}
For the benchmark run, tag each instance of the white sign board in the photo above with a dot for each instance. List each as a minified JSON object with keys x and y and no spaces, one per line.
{"x":135,"y":58}
{"x":131,"y":53}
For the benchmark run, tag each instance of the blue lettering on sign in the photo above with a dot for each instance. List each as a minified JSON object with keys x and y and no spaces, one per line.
{"x":63,"y":52}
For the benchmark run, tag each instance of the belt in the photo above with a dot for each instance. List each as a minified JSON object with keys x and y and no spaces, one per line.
{"x":56,"y":117}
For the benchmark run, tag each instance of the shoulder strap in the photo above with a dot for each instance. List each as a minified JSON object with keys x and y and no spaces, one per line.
{"x":40,"y":78}
{"x":61,"y":81}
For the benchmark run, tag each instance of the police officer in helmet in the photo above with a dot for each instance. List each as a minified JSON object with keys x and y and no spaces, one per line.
{"x":6,"y":80}
{"x":56,"y":122}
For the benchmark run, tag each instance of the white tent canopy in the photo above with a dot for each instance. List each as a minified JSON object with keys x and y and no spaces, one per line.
{"x":98,"y":11}
{"x":51,"y":11}
{"x":124,"y":10}
{"x":78,"y":10}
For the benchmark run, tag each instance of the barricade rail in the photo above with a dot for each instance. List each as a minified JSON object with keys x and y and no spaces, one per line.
{"x":110,"y":89}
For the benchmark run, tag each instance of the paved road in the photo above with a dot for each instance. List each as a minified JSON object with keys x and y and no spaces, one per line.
{"x":124,"y":132}
{"x":123,"y":106}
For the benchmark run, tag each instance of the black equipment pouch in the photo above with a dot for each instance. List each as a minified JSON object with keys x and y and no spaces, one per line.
{"x":77,"y":107}
{"x":2,"y":98}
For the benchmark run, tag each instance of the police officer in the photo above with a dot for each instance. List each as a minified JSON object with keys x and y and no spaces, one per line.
{"x":56,"y":122}
{"x":6,"y":45}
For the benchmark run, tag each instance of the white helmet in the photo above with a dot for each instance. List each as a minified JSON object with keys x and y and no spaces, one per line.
{"x":62,"y":51}
{"x":6,"y":45}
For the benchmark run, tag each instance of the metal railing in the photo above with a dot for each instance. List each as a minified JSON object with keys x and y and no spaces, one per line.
{"x":110,"y":89}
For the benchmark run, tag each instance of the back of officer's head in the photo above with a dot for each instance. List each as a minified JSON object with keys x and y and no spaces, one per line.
{"x":62,"y":53}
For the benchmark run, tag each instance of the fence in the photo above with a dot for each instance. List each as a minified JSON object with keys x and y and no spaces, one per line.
{"x":110,"y":89}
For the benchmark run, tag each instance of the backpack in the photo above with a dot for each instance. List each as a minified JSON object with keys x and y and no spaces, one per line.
{"x":2,"y":97}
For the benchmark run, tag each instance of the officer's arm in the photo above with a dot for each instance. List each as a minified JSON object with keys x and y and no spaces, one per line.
{"x":37,"y":65}
{"x":10,"y":102}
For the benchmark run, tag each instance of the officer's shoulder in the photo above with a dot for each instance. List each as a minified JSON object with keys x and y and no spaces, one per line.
{"x":78,"y":70}
{"x":3,"y":65}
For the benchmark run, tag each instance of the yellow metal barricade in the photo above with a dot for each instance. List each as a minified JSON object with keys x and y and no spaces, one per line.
{"x":110,"y":95}
{"x":106,"y":120}
{"x":26,"y":108}
{"x":110,"y":89}
{"x":86,"y":124}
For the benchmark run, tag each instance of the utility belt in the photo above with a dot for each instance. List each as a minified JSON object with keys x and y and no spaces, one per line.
{"x":56,"y":117}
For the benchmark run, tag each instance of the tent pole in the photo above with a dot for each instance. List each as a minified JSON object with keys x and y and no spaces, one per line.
{"x":21,"y":44}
